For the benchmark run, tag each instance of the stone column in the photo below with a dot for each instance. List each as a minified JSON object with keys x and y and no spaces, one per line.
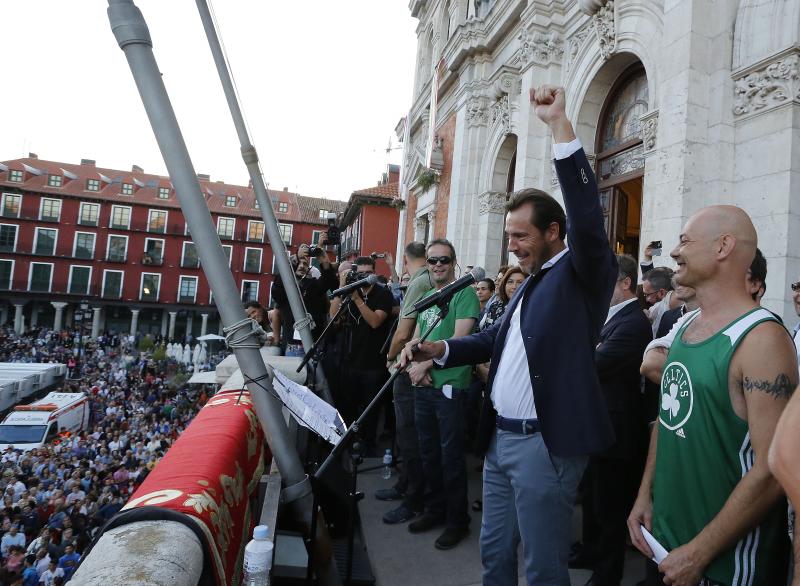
{"x":163,"y":323}
{"x":34,"y":314}
{"x":490,"y":230}
{"x":18,"y":322}
{"x":189,"y":324}
{"x":58,"y":322}
{"x":204,"y":324}
{"x":134,"y":321}
{"x":96,"y":322}
{"x":172,"y":316}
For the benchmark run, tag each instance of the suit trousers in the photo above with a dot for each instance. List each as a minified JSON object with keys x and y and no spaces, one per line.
{"x":528,"y":495}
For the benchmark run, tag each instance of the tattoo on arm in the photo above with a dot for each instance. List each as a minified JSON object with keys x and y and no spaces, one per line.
{"x":780,"y":388}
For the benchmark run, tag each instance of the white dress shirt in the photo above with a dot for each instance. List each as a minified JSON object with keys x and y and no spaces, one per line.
{"x":512,"y":390}
{"x":614,"y":310}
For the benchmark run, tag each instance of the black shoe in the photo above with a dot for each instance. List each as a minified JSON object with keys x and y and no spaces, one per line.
{"x":425,"y":523}
{"x":581,"y":561}
{"x":401,"y":514}
{"x":388,"y":494}
{"x":451,"y":537}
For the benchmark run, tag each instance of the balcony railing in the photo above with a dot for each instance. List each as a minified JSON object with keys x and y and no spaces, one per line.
{"x":148,"y":296}
{"x":190,"y":263}
{"x":187,"y":299}
{"x":110,"y":293}
{"x":44,"y":286}
{"x":114,"y":257}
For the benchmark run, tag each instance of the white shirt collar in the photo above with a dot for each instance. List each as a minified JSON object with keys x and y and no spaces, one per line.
{"x":555,"y":259}
{"x":615,"y":309}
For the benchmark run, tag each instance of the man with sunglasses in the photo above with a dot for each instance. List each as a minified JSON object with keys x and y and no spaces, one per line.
{"x":543,"y":411}
{"x":440,"y":407}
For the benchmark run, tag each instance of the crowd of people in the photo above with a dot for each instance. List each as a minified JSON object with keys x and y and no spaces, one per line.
{"x":56,"y":497}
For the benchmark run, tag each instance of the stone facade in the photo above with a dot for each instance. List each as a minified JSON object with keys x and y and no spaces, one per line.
{"x":719,"y":125}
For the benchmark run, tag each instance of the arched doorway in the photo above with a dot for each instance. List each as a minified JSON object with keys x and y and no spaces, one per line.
{"x":505,"y":167}
{"x":620,"y":159}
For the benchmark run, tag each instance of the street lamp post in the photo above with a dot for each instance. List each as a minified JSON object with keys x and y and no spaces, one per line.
{"x":82,"y":316}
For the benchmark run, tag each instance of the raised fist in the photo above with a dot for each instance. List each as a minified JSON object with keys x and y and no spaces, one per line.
{"x":549,"y":103}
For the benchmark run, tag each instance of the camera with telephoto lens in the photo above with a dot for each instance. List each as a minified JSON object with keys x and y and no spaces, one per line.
{"x":334,"y":234}
{"x":314,"y":250}
{"x":352,"y":276}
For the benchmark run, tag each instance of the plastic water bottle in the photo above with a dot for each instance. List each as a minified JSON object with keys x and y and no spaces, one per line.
{"x":258,"y":558}
{"x":387,"y":465}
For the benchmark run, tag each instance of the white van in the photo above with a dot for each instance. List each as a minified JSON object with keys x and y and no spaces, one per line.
{"x":28,"y":427}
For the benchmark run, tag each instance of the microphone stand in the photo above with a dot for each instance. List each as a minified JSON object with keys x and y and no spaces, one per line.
{"x":351,"y":435}
{"x":317,"y":345}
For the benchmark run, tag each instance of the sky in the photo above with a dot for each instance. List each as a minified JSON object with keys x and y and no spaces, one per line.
{"x":322,"y":86}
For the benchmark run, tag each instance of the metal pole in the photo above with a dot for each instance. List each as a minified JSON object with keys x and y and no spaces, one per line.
{"x":250,"y":157}
{"x":133,"y":36}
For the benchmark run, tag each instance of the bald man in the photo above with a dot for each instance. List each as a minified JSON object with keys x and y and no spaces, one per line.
{"x":707,"y":494}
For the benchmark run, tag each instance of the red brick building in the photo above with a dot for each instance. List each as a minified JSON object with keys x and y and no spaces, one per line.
{"x":371,"y":219}
{"x":118,"y":239}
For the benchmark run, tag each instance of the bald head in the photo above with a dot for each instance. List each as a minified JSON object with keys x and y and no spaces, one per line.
{"x":717,"y":243}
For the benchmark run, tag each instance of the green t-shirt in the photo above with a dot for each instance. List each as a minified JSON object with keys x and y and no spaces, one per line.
{"x":419,"y":286}
{"x":464,"y":305}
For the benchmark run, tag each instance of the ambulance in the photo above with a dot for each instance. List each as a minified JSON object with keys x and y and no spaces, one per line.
{"x":28,"y":427}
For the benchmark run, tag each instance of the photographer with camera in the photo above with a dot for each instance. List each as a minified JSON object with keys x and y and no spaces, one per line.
{"x":313,"y":289}
{"x":363,"y":327}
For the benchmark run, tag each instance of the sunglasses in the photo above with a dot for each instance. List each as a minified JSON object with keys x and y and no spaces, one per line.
{"x":445,"y":260}
{"x":795,"y":286}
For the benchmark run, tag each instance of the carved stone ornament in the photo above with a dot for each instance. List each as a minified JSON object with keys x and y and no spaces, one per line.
{"x":541,"y":48}
{"x":649,"y":126}
{"x":769,"y":86}
{"x":590,"y":7}
{"x":492,"y":202}
{"x":576,"y":42}
{"x":421,"y":223}
{"x":553,"y":173}
{"x":605,"y":29}
{"x":501,"y":114}
{"x":506,"y":84}
{"x":477,"y":112}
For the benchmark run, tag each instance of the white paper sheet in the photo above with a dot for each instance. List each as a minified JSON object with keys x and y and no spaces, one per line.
{"x":659,"y":552}
{"x":309,"y":410}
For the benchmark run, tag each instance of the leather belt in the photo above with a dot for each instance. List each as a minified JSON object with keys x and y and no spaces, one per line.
{"x":521,"y":426}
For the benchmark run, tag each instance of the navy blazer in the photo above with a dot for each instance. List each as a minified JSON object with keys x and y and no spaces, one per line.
{"x":563,"y":309}
{"x":618,"y":358}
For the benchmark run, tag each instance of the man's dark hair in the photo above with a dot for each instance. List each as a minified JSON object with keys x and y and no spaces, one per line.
{"x":628,"y":268}
{"x":252,"y":303}
{"x":660,"y":278}
{"x":489,"y":283}
{"x":443,"y":242}
{"x":758,"y":268}
{"x":30,"y":559}
{"x":364,"y":260}
{"x":546,"y":209}
{"x":415,"y":250}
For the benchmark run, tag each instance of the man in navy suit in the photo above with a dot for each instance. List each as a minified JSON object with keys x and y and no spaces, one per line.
{"x":544,"y":411}
{"x":612,"y":478}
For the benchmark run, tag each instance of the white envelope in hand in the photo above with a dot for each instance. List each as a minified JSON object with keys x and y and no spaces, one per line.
{"x":659,"y":552}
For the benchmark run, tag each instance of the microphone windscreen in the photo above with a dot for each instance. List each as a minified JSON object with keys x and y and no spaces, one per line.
{"x":372,"y":279}
{"x":478,"y":273}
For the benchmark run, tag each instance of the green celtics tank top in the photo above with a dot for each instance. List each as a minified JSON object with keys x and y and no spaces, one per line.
{"x":704,"y":451}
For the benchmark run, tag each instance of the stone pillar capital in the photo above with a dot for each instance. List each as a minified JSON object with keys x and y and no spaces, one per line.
{"x":59,"y":305}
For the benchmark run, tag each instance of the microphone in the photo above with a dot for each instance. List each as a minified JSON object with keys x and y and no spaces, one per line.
{"x":446,"y":294}
{"x":347,"y":289}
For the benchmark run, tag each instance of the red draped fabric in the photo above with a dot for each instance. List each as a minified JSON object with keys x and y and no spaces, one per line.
{"x":209,"y":474}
